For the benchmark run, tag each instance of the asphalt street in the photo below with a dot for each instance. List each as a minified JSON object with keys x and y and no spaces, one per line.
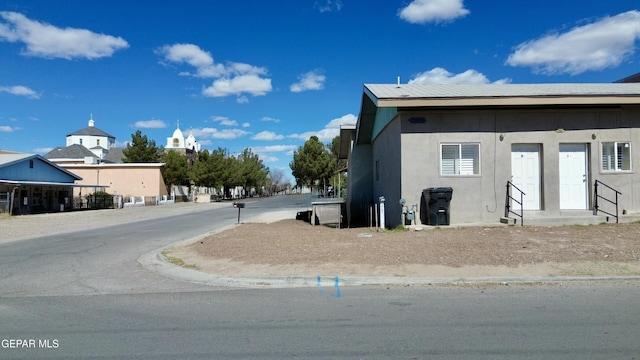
{"x":85,"y":295}
{"x":573,"y":322}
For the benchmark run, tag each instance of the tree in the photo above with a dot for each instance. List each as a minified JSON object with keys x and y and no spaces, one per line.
{"x":175,"y":168}
{"x":253,"y":170}
{"x":338,"y":178}
{"x":275,"y":180}
{"x":141,"y":150}
{"x":311,"y":162}
{"x":201,"y":173}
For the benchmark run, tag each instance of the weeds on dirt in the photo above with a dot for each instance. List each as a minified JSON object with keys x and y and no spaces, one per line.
{"x":397,"y":229}
{"x":177,"y":261}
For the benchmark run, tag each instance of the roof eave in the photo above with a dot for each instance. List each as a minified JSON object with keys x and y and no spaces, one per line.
{"x":509,"y":101}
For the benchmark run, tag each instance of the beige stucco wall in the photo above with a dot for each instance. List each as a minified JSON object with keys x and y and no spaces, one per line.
{"x":481,"y":198}
{"x":126,"y":179}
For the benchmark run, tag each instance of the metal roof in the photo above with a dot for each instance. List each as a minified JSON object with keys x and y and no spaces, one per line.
{"x":48,"y":183}
{"x":9,"y":159}
{"x":74,"y":151}
{"x":503,"y":94}
{"x":92,"y":131}
{"x":394,"y":98}
{"x":6,"y":159}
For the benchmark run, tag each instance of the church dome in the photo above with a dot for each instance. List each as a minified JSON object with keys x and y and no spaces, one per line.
{"x":178,"y":134}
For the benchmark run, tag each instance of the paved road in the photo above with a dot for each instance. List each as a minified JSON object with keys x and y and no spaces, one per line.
{"x":103,"y":260}
{"x":572,"y":322}
{"x":84,"y":295}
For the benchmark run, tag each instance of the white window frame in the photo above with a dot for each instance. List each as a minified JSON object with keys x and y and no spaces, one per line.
{"x":459,"y":164}
{"x":614,"y":157}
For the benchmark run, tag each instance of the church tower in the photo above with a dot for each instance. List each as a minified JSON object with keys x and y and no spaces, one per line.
{"x":179,"y":143}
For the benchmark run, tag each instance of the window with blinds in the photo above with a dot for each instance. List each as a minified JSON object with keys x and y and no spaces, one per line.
{"x":460,"y":159}
{"x":616,"y":156}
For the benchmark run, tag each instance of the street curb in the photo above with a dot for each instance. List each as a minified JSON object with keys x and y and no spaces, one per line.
{"x":156,"y":262}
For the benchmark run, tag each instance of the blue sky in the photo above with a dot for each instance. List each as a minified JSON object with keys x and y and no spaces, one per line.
{"x":267,"y":75}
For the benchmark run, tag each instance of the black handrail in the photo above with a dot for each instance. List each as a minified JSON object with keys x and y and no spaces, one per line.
{"x":596,"y":196}
{"x":507,"y":207}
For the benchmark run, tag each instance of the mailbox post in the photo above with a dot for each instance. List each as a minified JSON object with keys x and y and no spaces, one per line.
{"x":239,"y":206}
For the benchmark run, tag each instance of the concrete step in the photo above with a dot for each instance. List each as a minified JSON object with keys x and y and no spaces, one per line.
{"x":569,"y":219}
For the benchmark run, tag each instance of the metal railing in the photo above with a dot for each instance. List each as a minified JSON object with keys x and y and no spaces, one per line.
{"x":510,"y":198}
{"x":597,"y":197}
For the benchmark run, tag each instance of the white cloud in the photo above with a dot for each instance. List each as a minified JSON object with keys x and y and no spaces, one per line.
{"x":246,"y":125}
{"x":42,"y":150}
{"x":265,"y":152}
{"x":275,"y":149}
{"x":270,"y":119}
{"x":442,"y":76}
{"x":267,"y":136}
{"x":194,"y":56}
{"x":150,"y":124}
{"x":223,"y":120}
{"x":330,"y":131}
{"x":328,"y":5}
{"x":213,"y":133}
{"x":47,"y":41}
{"x":230,"y":79}
{"x":596,"y":46}
{"x":122,"y":144}
{"x":268,"y":159}
{"x":251,"y":83}
{"x":4,"y":128}
{"x":313,"y":80}
{"x":20,"y":91}
{"x":424,"y":11}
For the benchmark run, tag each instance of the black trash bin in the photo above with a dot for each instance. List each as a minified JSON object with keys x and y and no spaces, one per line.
{"x":435,"y":207}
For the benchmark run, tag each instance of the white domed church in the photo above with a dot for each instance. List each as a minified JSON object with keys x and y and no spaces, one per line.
{"x":179,"y":143}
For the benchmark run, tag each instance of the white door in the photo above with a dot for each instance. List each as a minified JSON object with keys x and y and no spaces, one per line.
{"x":573,"y":176}
{"x":525,"y":173}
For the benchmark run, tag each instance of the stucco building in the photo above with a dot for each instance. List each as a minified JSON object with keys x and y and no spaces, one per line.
{"x":91,"y":153}
{"x":552,"y":141}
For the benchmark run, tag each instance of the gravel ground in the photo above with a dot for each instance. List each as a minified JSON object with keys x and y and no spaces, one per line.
{"x":272,"y":246}
{"x":291,"y":247}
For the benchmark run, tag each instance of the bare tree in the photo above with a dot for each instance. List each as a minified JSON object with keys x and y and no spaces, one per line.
{"x":276,"y":177}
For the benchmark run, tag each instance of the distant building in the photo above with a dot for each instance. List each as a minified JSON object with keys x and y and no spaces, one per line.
{"x":94,"y":139}
{"x":178,"y":142}
{"x":91,"y":153}
{"x":32,"y":184}
{"x":630,"y":79}
{"x":88,"y":145}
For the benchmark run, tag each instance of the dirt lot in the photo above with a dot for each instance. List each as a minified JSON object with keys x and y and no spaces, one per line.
{"x":295,"y":248}
{"x":291,"y":247}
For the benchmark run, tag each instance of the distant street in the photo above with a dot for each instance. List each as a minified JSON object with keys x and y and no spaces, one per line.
{"x":84,"y":295}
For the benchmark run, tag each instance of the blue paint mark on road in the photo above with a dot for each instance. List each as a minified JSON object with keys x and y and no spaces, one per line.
{"x":319,"y":279}
{"x":337,"y":286}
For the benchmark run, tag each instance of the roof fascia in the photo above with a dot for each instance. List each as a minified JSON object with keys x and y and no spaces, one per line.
{"x":367,"y":117}
{"x":508,"y":101}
